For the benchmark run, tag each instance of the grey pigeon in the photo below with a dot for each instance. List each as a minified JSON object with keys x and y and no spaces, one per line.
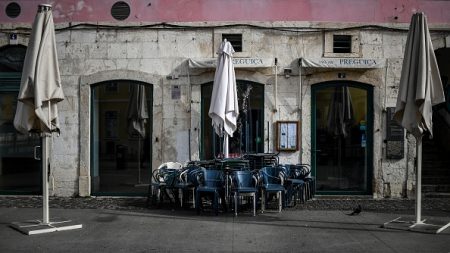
{"x":356,"y":211}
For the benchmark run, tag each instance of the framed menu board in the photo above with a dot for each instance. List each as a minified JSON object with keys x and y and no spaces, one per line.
{"x":287,"y":135}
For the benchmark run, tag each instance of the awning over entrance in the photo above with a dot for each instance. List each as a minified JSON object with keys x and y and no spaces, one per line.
{"x":207,"y":63}
{"x":342,"y":63}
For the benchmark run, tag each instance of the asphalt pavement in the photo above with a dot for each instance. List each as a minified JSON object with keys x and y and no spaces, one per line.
{"x":127,"y":225}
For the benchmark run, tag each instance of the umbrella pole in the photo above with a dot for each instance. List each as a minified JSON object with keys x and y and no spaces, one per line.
{"x":419,"y":180}
{"x":45,"y":169}
{"x":225,"y":145}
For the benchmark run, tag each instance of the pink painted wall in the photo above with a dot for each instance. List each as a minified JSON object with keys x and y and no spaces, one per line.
{"x":365,"y":11}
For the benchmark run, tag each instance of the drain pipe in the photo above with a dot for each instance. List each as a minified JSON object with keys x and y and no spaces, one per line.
{"x":276,"y":86}
{"x":300,"y":111}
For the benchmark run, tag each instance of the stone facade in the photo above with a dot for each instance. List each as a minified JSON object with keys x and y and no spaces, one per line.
{"x":160,"y":57}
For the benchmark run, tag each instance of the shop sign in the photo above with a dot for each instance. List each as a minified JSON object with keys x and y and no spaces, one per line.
{"x":361,"y":63}
{"x":238,"y":63}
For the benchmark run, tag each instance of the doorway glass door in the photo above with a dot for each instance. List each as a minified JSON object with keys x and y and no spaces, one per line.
{"x":121,"y":138}
{"x":342,"y":137}
{"x":20,"y":172}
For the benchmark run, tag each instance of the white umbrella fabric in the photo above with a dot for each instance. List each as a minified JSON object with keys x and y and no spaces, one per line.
{"x":420,"y":88}
{"x":37,"y":112}
{"x":137,"y":117}
{"x":224,"y":109}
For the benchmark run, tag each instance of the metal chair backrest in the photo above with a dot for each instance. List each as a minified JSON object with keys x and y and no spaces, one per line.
{"x":271,"y":175}
{"x":212,"y":178}
{"x":243,"y":178}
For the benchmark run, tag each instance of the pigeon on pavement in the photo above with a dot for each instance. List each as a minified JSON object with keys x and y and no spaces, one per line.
{"x":357,"y":210}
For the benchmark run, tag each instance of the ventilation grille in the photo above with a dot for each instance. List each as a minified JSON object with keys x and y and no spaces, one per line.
{"x":342,"y":43}
{"x":235,"y":40}
{"x":13,"y":10}
{"x":120,"y":10}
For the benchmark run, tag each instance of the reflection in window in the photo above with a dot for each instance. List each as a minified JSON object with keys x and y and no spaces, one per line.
{"x":248,"y":137}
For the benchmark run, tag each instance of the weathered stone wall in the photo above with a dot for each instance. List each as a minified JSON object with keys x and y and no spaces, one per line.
{"x":159,"y":57}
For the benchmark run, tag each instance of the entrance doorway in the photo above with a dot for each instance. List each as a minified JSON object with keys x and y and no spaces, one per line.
{"x":249,"y":137}
{"x":121,"y":143}
{"x":342,"y":132}
{"x":20,"y":172}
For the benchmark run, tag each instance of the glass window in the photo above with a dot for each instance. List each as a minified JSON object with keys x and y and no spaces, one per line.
{"x":20,"y":173}
{"x":248,"y":137}
{"x":121,"y":138}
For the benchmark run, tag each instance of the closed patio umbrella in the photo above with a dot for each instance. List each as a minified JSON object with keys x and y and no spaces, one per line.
{"x":420,"y":88}
{"x":137,"y":117}
{"x":37,"y":111}
{"x":223,"y":109}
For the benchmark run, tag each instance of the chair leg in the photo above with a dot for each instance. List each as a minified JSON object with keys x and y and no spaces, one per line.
{"x":263,"y":201}
{"x":216,"y":203}
{"x":180,"y":194}
{"x":235,"y":203}
{"x":280,"y":203}
{"x":197,"y":203}
{"x":254,"y":204}
{"x":193,"y":198}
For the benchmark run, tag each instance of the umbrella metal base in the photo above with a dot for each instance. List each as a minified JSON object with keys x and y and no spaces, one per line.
{"x":33,"y":227}
{"x":432,"y":226}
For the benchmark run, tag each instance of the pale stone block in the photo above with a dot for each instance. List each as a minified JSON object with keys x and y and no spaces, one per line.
{"x":121,"y":63}
{"x":106,"y":36}
{"x":97,"y":51}
{"x":61,"y":50}
{"x":135,"y":50}
{"x":117,"y":50}
{"x":392,"y":38}
{"x":97,"y":65}
{"x":81,"y":36}
{"x":372,"y":51}
{"x":394,"y":51}
{"x":62,"y":36}
{"x":70,"y":85}
{"x":76,"y":50}
{"x":371,"y":38}
{"x":71,"y":66}
{"x":149,"y":49}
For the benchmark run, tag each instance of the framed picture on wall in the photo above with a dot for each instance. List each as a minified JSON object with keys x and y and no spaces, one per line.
{"x":287,"y":135}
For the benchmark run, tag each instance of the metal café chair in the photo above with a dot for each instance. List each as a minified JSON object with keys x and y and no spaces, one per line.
{"x":163,"y":179}
{"x":295,"y":184}
{"x":244,"y":183}
{"x":310,"y":181}
{"x":187,"y":182}
{"x":211,"y":183}
{"x":272,"y":182}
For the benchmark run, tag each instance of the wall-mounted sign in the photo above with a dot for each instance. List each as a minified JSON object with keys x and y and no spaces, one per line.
{"x":287,"y":135}
{"x":344,"y":63}
{"x":395,"y":136}
{"x":176,"y":92}
{"x":394,"y":132}
{"x":238,"y":63}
